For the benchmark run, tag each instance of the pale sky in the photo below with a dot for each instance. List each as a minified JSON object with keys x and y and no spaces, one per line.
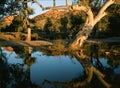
{"x":45,"y":3}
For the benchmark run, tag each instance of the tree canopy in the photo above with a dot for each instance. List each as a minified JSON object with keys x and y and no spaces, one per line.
{"x":9,"y":7}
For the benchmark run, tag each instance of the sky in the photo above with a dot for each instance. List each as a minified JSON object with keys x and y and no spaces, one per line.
{"x":45,"y":3}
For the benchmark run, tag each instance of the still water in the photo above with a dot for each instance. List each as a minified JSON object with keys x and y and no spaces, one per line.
{"x":36,"y":69}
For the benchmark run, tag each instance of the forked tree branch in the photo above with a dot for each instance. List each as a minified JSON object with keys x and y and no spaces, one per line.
{"x":102,"y":12}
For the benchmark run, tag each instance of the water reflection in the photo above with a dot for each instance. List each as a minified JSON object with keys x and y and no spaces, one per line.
{"x":13,"y":75}
{"x":90,"y":71}
{"x":27,"y":68}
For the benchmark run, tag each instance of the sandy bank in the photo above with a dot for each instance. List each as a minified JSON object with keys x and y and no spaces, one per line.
{"x":24,"y":43}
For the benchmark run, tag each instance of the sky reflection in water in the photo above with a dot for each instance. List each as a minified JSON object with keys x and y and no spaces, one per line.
{"x":54,"y":68}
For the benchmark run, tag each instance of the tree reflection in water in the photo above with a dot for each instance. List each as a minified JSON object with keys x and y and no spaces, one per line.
{"x":13,"y":75}
{"x":90,"y":71}
{"x":95,"y":73}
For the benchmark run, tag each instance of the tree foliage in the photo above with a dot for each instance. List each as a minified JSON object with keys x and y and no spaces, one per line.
{"x":14,"y":8}
{"x":9,"y":7}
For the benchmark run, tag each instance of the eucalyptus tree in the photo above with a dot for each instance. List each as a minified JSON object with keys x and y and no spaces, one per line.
{"x":9,"y":7}
{"x":14,"y":9}
{"x":95,"y":11}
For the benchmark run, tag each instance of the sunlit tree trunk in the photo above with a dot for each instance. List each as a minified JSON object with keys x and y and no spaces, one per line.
{"x":91,"y":21}
{"x":27,"y":22}
{"x":29,"y":34}
{"x":67,"y":3}
{"x":83,"y":34}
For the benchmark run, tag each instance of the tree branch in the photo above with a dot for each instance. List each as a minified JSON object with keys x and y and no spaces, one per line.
{"x":102,"y":10}
{"x":105,"y":6}
{"x":90,"y":17}
{"x":97,"y":18}
{"x":36,"y":1}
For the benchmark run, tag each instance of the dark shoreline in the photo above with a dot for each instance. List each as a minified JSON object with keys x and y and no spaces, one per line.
{"x":43,"y":43}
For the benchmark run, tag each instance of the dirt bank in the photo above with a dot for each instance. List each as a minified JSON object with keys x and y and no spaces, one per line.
{"x":24,"y":43}
{"x":42,"y":42}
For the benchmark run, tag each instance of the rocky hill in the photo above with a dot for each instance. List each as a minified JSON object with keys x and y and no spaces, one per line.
{"x":7,"y":20}
{"x":55,"y":20}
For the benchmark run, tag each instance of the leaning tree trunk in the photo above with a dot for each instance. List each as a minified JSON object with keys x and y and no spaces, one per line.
{"x":82,"y":36}
{"x":90,"y":22}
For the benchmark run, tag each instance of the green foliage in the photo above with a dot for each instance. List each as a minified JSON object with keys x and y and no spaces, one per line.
{"x":103,"y":23}
{"x":76,"y":20}
{"x":64,"y":22}
{"x":48,"y":25}
{"x":35,"y":36}
{"x":16,"y":8}
{"x":30,"y":11}
{"x":17,"y":25}
{"x":2,"y":26}
{"x":9,"y":7}
{"x":76,"y":23}
{"x":58,"y":45}
{"x":114,"y":9}
{"x":60,"y":26}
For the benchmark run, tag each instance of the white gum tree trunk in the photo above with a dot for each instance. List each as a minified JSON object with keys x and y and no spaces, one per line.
{"x":91,"y":21}
{"x":67,"y":3}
